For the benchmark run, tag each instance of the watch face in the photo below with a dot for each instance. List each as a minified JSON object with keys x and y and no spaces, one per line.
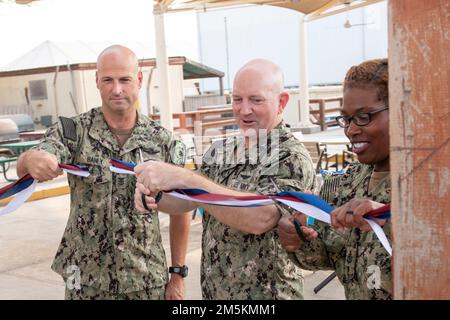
{"x":182,"y":271}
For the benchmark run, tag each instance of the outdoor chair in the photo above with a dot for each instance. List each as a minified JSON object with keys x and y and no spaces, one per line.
{"x":7,"y":156}
{"x":348,"y":157}
{"x":319,"y":155}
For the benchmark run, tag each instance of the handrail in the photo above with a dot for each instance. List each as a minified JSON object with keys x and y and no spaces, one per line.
{"x":203,"y":119}
{"x":191,"y":121}
{"x":320,"y":114}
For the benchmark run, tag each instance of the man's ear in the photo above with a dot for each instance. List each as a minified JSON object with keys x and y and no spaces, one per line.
{"x":283,"y":100}
{"x":96,"y":79}
{"x":140,"y":77}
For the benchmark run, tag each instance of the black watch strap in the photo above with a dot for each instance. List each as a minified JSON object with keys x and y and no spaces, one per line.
{"x":181,"y":270}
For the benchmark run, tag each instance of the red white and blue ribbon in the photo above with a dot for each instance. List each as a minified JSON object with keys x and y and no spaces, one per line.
{"x":309,"y":204}
{"x":23,"y":188}
{"x":75,"y":169}
{"x":120,"y":166}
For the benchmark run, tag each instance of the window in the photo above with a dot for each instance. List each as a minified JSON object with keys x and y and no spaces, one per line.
{"x":38,"y":90}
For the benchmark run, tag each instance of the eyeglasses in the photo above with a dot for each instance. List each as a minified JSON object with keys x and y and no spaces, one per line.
{"x":360,"y":119}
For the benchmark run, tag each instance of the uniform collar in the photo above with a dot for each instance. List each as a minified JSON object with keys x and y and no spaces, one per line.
{"x":231,"y":145}
{"x":100,"y":131}
{"x":140,"y":131}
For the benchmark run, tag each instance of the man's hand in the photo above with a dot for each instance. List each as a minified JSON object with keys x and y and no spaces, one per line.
{"x":41,"y":165}
{"x":289,"y":238}
{"x":149,"y":198}
{"x":350,"y":215}
{"x":160,"y":176}
{"x":175,"y":288}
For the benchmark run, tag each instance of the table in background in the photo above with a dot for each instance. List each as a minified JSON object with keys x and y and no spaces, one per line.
{"x":19,"y":147}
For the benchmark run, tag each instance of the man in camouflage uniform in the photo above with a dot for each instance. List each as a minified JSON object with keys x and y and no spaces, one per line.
{"x":109,"y":250}
{"x":361,"y":263}
{"x":241,"y":255}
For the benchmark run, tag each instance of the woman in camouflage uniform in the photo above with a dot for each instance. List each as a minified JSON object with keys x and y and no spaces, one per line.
{"x":361,"y":263}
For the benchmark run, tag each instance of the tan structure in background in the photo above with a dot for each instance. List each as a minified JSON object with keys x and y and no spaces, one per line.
{"x":70,"y":89}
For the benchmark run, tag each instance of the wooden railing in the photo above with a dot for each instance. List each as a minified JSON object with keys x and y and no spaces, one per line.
{"x":320,"y":115}
{"x":219,"y":117}
{"x":201,"y":120}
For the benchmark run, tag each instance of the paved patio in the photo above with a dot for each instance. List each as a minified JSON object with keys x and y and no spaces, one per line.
{"x":30,"y":236}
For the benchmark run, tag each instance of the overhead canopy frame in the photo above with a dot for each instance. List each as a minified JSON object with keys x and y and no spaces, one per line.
{"x":311,"y":10}
{"x":315,"y":9}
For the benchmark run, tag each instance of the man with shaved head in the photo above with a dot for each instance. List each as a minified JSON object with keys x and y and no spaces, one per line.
{"x":241,"y":254}
{"x":109,"y":250}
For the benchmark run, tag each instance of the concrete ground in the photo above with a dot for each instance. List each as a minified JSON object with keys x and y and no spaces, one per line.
{"x":30,"y":236}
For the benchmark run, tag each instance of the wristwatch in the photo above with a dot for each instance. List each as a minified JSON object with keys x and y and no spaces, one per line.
{"x":182,"y":271}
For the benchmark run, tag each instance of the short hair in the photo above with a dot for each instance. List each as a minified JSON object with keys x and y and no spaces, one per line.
{"x":119,"y":49}
{"x":268,"y":70}
{"x":370,"y":74}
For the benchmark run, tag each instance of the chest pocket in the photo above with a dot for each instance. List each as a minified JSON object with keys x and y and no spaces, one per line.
{"x":97,"y":163}
{"x":235,"y":177}
{"x":247,"y":178}
{"x":151,"y":153}
{"x":99,"y":172}
{"x":239,"y":185}
{"x":95,"y":190}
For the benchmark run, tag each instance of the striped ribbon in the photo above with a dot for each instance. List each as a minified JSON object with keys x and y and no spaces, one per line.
{"x":23,"y":188}
{"x":309,"y":204}
{"x":120,"y":166}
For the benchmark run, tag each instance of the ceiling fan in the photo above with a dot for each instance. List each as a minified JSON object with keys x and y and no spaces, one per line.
{"x":348,"y":24}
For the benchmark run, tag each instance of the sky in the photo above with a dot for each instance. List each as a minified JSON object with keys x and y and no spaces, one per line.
{"x":252,"y":31}
{"x":23,"y":27}
{"x":269,"y":32}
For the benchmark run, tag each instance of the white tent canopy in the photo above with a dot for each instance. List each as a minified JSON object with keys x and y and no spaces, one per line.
{"x":55,"y":53}
{"x":313,"y":8}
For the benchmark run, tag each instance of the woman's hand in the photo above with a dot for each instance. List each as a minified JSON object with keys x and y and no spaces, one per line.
{"x":351,"y":215}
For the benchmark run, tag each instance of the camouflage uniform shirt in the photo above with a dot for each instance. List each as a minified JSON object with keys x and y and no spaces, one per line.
{"x":361,"y":263}
{"x":238,"y":265}
{"x":107,"y":241}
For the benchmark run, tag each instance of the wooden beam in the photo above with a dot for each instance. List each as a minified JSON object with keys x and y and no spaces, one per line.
{"x":333,"y":8}
{"x":419,"y":86}
{"x":24,"y":1}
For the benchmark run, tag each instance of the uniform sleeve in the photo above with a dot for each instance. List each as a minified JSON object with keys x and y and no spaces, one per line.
{"x":313,"y":256}
{"x":53,"y":143}
{"x":293,"y":173}
{"x":324,"y":252}
{"x":210,"y":161}
{"x":176,"y":152}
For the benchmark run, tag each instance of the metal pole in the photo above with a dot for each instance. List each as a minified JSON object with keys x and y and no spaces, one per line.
{"x":162,"y":67}
{"x":227,"y":53}
{"x":303,"y":77}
